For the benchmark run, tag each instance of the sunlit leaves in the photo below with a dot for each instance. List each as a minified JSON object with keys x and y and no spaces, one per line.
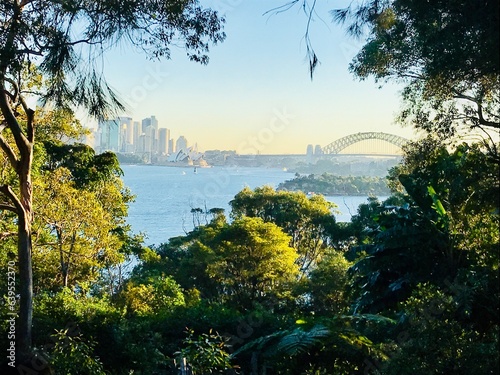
{"x":157,"y":296}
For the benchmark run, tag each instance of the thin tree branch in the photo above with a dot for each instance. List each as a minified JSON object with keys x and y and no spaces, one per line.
{"x":8,"y":207}
{"x":480,"y":118}
{"x":14,"y":162}
{"x":485,"y":122}
{"x":10,"y":118}
{"x":14,"y":84}
{"x":7,"y":191}
{"x":5,"y":235}
{"x":28,"y":51}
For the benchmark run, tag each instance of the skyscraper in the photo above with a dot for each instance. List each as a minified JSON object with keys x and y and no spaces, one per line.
{"x":126,"y":134}
{"x":181,"y":144}
{"x":110,"y":135}
{"x":163,"y":140}
{"x":310,"y":150}
{"x":136,"y":134}
{"x":150,"y":129}
{"x":145,"y":123}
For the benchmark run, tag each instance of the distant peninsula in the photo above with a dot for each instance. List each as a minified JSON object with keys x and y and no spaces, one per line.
{"x":330,"y":184}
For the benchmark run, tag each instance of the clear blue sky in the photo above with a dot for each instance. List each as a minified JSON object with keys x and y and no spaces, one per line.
{"x":256,"y":95}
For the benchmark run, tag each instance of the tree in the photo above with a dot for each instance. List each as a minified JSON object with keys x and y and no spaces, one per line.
{"x":245,"y":262}
{"x":308,"y":221}
{"x":254,"y":262}
{"x":445,"y":51}
{"x":205,"y":354}
{"x":155,"y":295}
{"x":58,"y":39}
{"x":74,"y":227}
{"x":327,"y":288}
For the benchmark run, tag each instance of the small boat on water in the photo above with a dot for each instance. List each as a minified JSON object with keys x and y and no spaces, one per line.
{"x":195,"y":170}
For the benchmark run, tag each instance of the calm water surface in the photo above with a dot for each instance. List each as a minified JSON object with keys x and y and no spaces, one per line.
{"x":166,"y":195}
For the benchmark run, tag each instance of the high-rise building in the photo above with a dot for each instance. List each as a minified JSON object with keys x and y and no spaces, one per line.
{"x":171,"y":149}
{"x":145,"y":123}
{"x":110,"y":135}
{"x":127,"y":130}
{"x":310,"y":150}
{"x":125,"y":133}
{"x":136,"y":134}
{"x":154,"y":122}
{"x":318,"y":150}
{"x":181,"y":144}
{"x":163,"y":140}
{"x":150,"y":139}
{"x":150,"y":129}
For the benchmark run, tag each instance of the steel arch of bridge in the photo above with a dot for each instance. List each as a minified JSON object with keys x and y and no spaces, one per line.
{"x":342,"y":143}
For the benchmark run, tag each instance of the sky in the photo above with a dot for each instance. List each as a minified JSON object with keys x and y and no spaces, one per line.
{"x":256,"y":95}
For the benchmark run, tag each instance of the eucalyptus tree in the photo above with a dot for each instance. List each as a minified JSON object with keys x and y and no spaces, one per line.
{"x":63,"y":41}
{"x":446,"y":52}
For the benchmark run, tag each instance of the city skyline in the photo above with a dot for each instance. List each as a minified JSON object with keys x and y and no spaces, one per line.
{"x":256,"y":95}
{"x":125,"y":135}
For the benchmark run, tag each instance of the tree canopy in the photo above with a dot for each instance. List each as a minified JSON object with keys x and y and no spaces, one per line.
{"x":445,"y":51}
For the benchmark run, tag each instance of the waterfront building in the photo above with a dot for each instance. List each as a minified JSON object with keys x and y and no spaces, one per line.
{"x":136,"y":134}
{"x":310,"y":150}
{"x":163,"y":140}
{"x":109,"y":135}
{"x":181,"y":144}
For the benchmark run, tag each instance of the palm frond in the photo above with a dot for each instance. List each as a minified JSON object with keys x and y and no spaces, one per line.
{"x":299,"y":341}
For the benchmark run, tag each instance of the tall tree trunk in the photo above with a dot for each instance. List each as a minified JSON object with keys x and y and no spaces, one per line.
{"x":22,"y":205}
{"x":24,"y":253}
{"x":26,"y":289}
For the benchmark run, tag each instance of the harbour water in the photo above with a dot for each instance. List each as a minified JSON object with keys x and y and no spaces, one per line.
{"x":166,"y":195}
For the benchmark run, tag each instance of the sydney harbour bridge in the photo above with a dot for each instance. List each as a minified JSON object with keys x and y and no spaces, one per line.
{"x":367,"y":144}
{"x":377,"y":140}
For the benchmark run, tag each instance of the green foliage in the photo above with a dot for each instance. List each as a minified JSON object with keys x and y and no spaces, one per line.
{"x":205,"y":353}
{"x":433,"y":341}
{"x":407,"y":249}
{"x":87,"y":168}
{"x":129,"y":159}
{"x":73,"y":356}
{"x":327,"y":286}
{"x":330,"y":184}
{"x":247,"y":261}
{"x":49,"y":51}
{"x":153,"y":296}
{"x":254,"y":262}
{"x":334,"y":345}
{"x":443,"y":50}
{"x":308,"y":221}
{"x":433,"y":232}
{"x":136,"y":345}
{"x":53,"y":309}
{"x":74,"y":229}
{"x":58,"y":125}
